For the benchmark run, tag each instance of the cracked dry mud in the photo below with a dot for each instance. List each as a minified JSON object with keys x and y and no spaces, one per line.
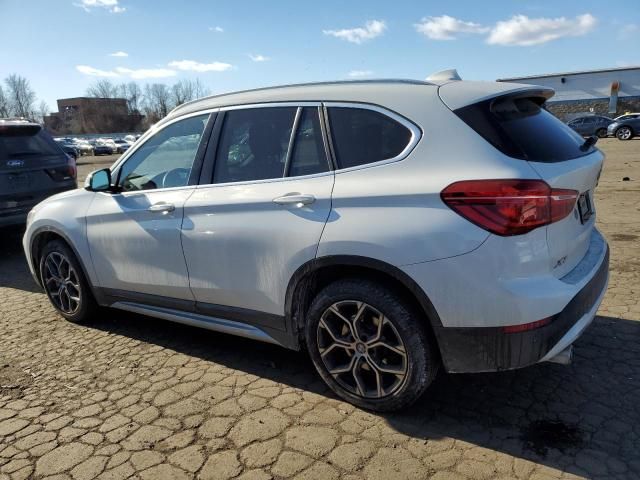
{"x":135,"y":397}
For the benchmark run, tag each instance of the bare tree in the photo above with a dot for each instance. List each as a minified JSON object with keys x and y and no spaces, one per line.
{"x":20,"y":95}
{"x":157,"y":97}
{"x":5,"y":107}
{"x":133,"y":93}
{"x":43,"y":111}
{"x":199,"y":90}
{"x":103,"y":89}
{"x":187,"y":90}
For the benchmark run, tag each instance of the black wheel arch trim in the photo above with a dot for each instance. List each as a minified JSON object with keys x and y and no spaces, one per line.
{"x":294,"y":298}
{"x":36,"y":267}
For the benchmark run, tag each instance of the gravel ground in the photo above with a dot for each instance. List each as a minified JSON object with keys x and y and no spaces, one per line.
{"x":135,"y":397}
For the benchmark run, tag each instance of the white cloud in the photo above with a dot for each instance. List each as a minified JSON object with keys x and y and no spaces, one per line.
{"x":360,"y":73}
{"x":95,"y":72}
{"x":259,"y":58}
{"x":216,"y":29}
{"x":372,"y":29}
{"x":136,"y":74}
{"x":446,"y":27}
{"x":110,"y":5}
{"x":524,"y":31}
{"x":142,"y":73}
{"x":119,"y":54}
{"x":193,"y":66}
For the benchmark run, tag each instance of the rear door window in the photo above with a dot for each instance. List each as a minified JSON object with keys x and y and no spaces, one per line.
{"x":361,"y":136}
{"x":521,"y":128}
{"x":253,"y":144}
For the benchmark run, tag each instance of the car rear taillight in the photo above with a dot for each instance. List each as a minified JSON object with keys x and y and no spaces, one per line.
{"x":68,"y":172}
{"x":509,"y":207}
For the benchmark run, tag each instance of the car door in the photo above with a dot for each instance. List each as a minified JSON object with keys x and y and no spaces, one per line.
{"x":576,"y":124}
{"x":261,"y":218}
{"x":134,"y":234}
{"x":587,"y":127}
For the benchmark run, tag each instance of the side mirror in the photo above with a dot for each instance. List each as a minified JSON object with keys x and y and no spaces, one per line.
{"x":98,"y":181}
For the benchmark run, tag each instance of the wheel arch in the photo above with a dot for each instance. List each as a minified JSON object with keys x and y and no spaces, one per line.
{"x":311,"y":277}
{"x":44,"y":235}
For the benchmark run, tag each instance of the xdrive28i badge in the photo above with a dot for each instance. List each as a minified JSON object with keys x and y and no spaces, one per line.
{"x":15,"y":163}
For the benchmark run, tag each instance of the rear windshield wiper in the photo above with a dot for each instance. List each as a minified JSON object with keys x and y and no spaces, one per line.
{"x":588,"y":143}
{"x":23,"y":154}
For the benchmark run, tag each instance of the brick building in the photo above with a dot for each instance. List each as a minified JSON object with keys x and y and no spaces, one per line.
{"x":610,"y":92}
{"x":92,"y":115}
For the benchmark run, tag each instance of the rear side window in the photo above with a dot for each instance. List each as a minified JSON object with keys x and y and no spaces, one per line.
{"x":26,"y":141}
{"x":362,"y":136}
{"x":253,"y":144}
{"x":522,"y":128}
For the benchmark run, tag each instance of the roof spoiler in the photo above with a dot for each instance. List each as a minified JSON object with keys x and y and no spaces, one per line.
{"x":444,"y":76}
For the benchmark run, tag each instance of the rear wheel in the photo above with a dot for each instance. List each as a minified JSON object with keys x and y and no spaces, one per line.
{"x":65,"y":284}
{"x":624,"y":133}
{"x":369,"y":345}
{"x":601,"y":132}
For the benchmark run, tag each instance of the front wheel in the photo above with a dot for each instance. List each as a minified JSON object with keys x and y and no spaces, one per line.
{"x":369,"y":345}
{"x":624,"y":133}
{"x":65,"y":284}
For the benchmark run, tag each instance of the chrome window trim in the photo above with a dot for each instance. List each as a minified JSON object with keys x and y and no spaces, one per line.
{"x":416,"y":132}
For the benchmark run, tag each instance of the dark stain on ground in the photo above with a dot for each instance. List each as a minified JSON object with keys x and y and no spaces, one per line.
{"x":541,"y":435}
{"x":13,"y":381}
{"x":624,"y":237}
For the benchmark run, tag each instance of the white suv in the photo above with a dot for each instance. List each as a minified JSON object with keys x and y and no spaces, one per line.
{"x":386,"y":227}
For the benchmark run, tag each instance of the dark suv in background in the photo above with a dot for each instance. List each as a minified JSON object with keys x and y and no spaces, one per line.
{"x":32,"y":167}
{"x":591,"y":125}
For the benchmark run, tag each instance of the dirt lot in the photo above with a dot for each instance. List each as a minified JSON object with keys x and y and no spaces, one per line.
{"x":135,"y":397}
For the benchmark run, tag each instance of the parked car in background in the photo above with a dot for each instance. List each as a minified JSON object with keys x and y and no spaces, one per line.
{"x":84,"y":147}
{"x":111,"y":143}
{"x":121,"y":145}
{"x":68,"y":147}
{"x":102,"y":148}
{"x":370,"y":223}
{"x":625,"y":127}
{"x":32,"y":167}
{"x":130,"y":138}
{"x":626,"y":116}
{"x":591,"y":125}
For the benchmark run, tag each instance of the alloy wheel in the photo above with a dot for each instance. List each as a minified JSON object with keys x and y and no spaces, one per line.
{"x":624,"y":133}
{"x":362,"y":349}
{"x":61,"y":282}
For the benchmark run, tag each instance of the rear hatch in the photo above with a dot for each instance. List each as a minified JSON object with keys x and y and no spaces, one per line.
{"x":513,"y":119}
{"x":32,"y":166}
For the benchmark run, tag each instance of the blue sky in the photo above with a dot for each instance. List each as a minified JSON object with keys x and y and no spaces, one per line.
{"x":62,"y":46}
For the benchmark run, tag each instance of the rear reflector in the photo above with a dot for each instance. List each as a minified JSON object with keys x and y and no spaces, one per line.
{"x":509,"y":207}
{"x":525,"y":327}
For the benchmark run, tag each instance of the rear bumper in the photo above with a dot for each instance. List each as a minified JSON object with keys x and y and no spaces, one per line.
{"x":484,"y":349}
{"x":15,"y":212}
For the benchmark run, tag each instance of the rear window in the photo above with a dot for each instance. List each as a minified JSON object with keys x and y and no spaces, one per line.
{"x":363,"y":136}
{"x":521,"y":128}
{"x":25,"y":141}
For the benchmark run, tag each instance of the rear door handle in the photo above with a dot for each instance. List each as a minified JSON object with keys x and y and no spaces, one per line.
{"x":162,"y":207}
{"x":296,"y":200}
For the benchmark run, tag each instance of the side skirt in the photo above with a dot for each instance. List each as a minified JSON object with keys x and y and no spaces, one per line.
{"x":197,"y":320}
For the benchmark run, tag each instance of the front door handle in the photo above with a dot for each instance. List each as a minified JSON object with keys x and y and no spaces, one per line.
{"x":295,"y":200}
{"x":162,"y":207}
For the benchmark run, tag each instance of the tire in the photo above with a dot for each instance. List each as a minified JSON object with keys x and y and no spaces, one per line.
{"x":74,"y":301}
{"x":363,"y":301}
{"x":624,"y":133}
{"x":601,"y":133}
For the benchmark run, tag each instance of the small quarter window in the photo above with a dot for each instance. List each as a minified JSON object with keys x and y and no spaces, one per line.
{"x":308,"y":155}
{"x":254,"y":144}
{"x":362,"y":136}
